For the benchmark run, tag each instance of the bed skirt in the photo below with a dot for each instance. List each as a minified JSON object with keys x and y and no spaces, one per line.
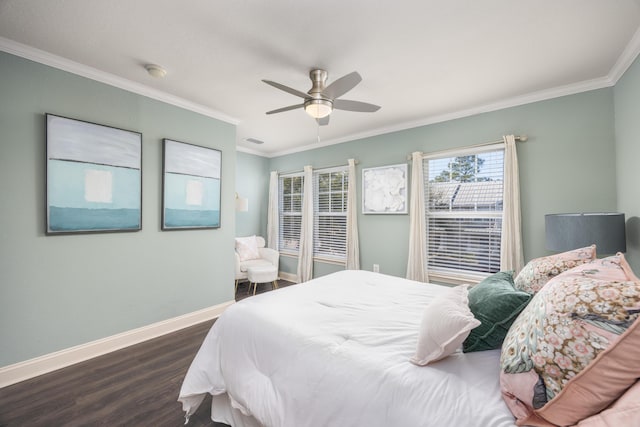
{"x":222,"y":411}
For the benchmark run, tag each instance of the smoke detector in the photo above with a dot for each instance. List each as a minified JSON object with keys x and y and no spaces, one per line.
{"x":155,"y":71}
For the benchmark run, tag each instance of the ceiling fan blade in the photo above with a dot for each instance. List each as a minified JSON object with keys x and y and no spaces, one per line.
{"x":286,"y":89}
{"x":341,"y":86}
{"x":290,"y":107}
{"x":323,"y":121}
{"x":362,"y":107}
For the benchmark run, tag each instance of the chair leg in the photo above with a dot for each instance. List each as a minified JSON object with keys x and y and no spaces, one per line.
{"x":275,"y":284}
{"x":255,"y":286}
{"x":236,"y":286}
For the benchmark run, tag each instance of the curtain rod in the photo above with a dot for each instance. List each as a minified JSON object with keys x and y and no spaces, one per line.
{"x":519,"y":138}
{"x":324,"y":167}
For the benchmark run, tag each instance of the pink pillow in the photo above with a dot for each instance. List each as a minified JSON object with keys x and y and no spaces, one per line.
{"x":247,"y":248}
{"x":623,"y":412}
{"x":573,"y":350}
{"x":446,"y":323}
{"x":539,"y":271}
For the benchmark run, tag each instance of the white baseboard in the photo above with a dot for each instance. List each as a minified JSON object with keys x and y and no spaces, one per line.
{"x":21,"y":371}
{"x":289,"y":277}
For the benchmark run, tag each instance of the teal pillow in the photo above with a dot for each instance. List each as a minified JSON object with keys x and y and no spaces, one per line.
{"x":496,"y":303}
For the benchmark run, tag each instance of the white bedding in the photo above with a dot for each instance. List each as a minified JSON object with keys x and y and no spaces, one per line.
{"x":335,"y":352}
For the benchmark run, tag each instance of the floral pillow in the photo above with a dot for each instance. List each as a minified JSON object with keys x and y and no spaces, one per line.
{"x":573,"y":350}
{"x":247,"y":248}
{"x":539,"y":271}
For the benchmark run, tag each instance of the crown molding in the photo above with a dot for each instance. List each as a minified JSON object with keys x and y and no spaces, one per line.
{"x":542,"y":95}
{"x":629,"y":54}
{"x":64,"y":64}
{"x":250,"y":151}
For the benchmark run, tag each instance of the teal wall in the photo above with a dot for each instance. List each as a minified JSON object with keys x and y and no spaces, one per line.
{"x":627,"y":126}
{"x":568,"y":165}
{"x":252,"y":183}
{"x":62,"y":291}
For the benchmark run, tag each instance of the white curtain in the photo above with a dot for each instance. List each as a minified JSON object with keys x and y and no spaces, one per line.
{"x":305,"y":252}
{"x":511,"y":257}
{"x":273,"y":216}
{"x":416,"y":266}
{"x":353,"y":247}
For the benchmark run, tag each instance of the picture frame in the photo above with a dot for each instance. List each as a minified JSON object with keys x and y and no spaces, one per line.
{"x":191,"y":185}
{"x":93,"y":177}
{"x":385,"y":190}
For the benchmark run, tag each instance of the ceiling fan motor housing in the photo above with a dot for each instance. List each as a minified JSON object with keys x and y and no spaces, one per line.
{"x":318,"y":82}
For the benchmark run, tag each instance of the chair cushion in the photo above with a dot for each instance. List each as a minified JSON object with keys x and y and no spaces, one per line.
{"x":247,"y":248}
{"x":246,"y":265}
{"x":262,"y":273}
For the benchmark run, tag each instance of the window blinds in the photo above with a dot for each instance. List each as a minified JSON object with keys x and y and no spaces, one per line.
{"x":330,"y":213}
{"x":463,"y":207}
{"x":290,"y":212}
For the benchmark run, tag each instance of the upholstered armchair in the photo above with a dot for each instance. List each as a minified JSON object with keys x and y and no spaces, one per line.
{"x":247,"y":257}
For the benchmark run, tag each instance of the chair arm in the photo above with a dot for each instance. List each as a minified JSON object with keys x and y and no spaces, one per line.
{"x":238,"y":272}
{"x":270,"y":255}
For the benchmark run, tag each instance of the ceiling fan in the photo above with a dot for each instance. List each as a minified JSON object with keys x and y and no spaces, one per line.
{"x":322,"y":99}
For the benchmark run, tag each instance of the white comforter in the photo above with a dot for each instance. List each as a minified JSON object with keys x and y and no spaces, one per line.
{"x":335,"y":352}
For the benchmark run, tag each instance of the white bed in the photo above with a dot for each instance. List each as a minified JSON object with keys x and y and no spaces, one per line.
{"x":335,"y":352}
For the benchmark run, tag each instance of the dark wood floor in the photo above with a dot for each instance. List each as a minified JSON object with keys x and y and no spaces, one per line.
{"x":135,"y":386}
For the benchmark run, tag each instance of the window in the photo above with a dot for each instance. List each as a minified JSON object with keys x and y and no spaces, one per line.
{"x":330,"y":213}
{"x":290,"y":212}
{"x":463,"y":212}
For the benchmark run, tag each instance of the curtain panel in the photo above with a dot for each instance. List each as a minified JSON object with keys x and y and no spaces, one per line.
{"x":305,"y":254}
{"x":417,"y":262}
{"x":353,"y":247}
{"x":273,"y":226}
{"x":511,"y":255}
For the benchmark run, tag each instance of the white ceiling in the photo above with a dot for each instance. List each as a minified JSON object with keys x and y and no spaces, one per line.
{"x":423,"y":61}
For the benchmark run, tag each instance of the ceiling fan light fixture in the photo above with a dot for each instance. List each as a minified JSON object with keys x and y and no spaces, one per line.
{"x":318,"y":108}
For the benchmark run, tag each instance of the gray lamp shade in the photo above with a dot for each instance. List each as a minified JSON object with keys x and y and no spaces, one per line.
{"x":565,"y":232}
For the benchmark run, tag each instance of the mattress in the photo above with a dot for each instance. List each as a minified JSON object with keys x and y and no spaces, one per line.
{"x":335,"y":351}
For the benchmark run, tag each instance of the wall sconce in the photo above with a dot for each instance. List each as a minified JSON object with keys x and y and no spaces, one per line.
{"x":565,"y":232}
{"x":242,"y":204}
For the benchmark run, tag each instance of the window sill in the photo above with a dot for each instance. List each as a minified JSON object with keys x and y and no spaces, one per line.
{"x":330,"y":261}
{"x":451,"y":278}
{"x":317,"y":259}
{"x":288,"y":254}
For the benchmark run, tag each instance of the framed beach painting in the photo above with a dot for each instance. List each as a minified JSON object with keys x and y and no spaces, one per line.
{"x":94,"y":177}
{"x":384,"y":190}
{"x":190,"y":186}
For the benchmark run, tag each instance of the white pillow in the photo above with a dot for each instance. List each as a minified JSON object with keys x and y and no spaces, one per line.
{"x":446,"y":323}
{"x":247,"y":248}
